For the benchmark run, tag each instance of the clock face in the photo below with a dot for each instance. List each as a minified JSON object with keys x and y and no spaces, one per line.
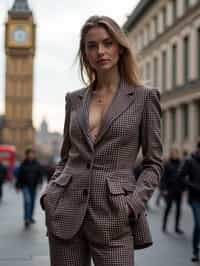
{"x":20,"y":35}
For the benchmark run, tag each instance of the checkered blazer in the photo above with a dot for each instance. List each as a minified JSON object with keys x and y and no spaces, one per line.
{"x":99,"y":174}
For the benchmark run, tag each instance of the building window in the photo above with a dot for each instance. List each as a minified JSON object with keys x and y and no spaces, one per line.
{"x":164,"y":12}
{"x":186,"y":4}
{"x":174,"y":9}
{"x":142,"y":39}
{"x":155,"y":71}
{"x":185,"y":120}
{"x":148,"y":71}
{"x":198,"y":117}
{"x":142,"y":72}
{"x":155,"y":21}
{"x":173,"y":113}
{"x":164,"y":69}
{"x":138,"y":42}
{"x":148,"y":33}
{"x":163,"y":124}
{"x":186,"y":59}
{"x":174,"y":63}
{"x":198,"y":59}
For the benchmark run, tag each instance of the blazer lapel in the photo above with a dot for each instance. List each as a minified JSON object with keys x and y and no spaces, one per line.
{"x":124,"y":97}
{"x":82,"y":114}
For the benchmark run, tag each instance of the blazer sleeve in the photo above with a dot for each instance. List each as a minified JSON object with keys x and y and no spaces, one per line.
{"x":66,"y":141}
{"x":150,"y":139}
{"x":64,"y":148}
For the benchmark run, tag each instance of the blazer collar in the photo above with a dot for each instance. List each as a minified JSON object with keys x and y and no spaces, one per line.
{"x":124,"y":96}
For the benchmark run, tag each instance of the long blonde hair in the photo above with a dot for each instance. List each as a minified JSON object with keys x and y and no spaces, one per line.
{"x":128,"y":67}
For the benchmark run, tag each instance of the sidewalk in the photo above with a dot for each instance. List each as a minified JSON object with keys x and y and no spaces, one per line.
{"x":20,"y":247}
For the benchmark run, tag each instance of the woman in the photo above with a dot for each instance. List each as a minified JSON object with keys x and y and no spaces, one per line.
{"x":93,"y":204}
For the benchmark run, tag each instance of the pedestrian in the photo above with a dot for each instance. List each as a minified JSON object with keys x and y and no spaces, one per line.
{"x":94,"y":207}
{"x":29,"y":177}
{"x":171,"y":191}
{"x":3,"y":174}
{"x":189,"y":176}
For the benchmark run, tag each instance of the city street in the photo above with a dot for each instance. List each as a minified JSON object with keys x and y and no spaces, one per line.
{"x":20,"y":247}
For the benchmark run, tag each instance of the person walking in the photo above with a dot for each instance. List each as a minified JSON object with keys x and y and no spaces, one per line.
{"x":94,"y":206}
{"x":171,"y":190}
{"x":29,"y":177}
{"x":189,"y":176}
{"x":3,"y":174}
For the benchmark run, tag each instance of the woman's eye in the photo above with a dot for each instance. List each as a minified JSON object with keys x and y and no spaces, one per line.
{"x":109,"y":43}
{"x":91,"y":46}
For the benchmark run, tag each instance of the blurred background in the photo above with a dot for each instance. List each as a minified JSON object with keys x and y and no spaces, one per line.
{"x":38,"y":45}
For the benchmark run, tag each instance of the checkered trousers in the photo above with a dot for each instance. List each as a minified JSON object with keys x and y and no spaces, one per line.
{"x":83,"y":247}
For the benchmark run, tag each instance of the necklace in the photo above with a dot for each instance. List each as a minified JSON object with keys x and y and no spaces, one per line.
{"x":99,"y":99}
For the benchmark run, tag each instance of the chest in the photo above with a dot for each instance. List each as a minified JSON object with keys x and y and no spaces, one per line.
{"x":118,"y":123}
{"x":97,"y":109}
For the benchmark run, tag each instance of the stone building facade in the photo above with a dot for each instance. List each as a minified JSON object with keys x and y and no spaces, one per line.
{"x":165,"y":36}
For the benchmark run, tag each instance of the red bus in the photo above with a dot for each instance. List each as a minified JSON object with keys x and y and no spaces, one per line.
{"x":7,"y":157}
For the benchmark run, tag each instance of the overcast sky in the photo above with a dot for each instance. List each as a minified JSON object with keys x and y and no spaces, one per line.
{"x":58,"y":27}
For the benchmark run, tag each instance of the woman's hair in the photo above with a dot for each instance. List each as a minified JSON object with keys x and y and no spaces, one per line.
{"x":128,"y":67}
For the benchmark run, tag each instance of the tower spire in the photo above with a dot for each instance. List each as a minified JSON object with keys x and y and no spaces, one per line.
{"x":20,"y":6}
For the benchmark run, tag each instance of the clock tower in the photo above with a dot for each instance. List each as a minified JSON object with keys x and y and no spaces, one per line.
{"x":20,"y":51}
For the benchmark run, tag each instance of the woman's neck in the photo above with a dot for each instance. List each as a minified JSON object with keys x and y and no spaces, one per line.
{"x":108,"y":81}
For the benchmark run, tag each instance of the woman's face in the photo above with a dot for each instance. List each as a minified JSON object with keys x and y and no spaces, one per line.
{"x":102,"y":51}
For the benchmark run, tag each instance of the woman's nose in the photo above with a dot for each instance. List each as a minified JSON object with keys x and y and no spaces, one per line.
{"x":100,"y":49}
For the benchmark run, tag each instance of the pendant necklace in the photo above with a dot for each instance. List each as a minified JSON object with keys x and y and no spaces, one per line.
{"x":99,"y":100}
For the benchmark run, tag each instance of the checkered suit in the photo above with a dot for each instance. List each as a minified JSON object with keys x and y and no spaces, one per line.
{"x":95,"y":178}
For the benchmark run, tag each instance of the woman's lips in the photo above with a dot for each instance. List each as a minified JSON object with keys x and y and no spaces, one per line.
{"x":103,"y":61}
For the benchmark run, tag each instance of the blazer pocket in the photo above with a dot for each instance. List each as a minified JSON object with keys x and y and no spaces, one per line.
{"x":56,"y":191}
{"x":116,"y":187}
{"x":128,"y":187}
{"x":117,"y":195}
{"x":63,"y":179}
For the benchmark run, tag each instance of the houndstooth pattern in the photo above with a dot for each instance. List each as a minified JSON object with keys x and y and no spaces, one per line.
{"x":81,"y":248}
{"x":96,"y":177}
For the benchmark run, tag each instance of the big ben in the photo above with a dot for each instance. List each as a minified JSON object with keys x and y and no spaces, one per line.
{"x":20,"y":51}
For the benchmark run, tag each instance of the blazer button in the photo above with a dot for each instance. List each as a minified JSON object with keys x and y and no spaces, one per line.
{"x":88,"y":165}
{"x":85,"y":192}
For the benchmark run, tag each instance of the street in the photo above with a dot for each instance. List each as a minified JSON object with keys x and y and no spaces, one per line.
{"x":20,"y":247}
